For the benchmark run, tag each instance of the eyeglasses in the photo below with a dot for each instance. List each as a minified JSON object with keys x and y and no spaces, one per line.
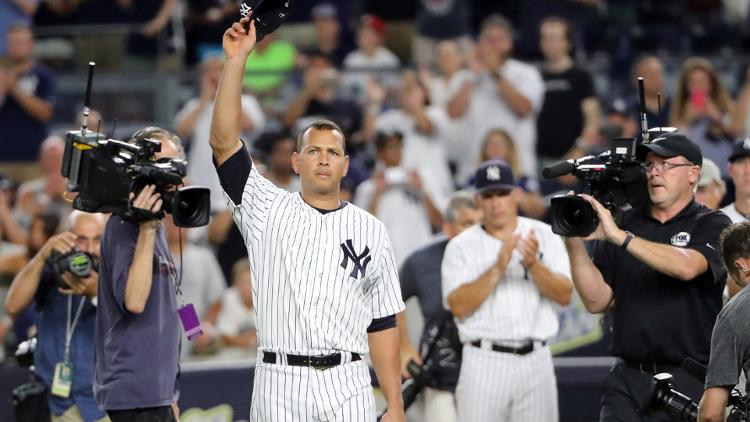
{"x":664,"y":166}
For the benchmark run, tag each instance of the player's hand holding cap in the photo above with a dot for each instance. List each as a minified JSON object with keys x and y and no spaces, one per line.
{"x":268,"y":15}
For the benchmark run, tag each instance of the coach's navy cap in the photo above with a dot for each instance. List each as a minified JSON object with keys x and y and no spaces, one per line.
{"x":494,"y":175}
{"x":671,"y":145}
{"x":268,"y":15}
{"x":740,"y":149}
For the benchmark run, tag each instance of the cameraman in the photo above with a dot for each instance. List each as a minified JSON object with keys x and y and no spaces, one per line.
{"x":65,"y":318}
{"x":137,"y":327}
{"x":730,"y":342}
{"x":661,"y":273}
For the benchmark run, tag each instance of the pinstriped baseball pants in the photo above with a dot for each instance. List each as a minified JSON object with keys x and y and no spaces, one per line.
{"x":503,"y":387}
{"x":300,"y":394}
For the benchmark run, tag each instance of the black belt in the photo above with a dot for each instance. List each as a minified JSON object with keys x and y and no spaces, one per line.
{"x":648,"y":367}
{"x":317,"y":362}
{"x":523,"y":349}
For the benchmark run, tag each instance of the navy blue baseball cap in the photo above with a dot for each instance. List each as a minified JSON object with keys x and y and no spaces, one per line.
{"x":740,"y":149}
{"x":494,"y":175}
{"x":268,"y":15}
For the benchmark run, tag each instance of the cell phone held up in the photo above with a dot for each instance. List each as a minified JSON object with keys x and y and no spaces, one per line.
{"x":699,"y":100}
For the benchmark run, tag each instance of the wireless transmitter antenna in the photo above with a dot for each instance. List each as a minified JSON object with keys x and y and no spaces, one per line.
{"x":87,"y":100}
{"x":644,"y":120}
{"x":658,"y":102}
{"x":78,"y":141}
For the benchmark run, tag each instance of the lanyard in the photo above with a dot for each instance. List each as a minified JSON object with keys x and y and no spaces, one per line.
{"x":177,"y":281}
{"x":71,"y":327}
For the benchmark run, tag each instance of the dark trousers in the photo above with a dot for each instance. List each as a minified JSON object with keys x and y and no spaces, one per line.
{"x":148,"y":414}
{"x":626,"y":390}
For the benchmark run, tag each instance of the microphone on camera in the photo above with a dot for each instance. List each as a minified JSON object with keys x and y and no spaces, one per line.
{"x":558,"y":169}
{"x":695,"y":369}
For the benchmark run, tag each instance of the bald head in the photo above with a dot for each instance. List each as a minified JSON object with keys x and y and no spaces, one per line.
{"x":51,"y":154}
{"x":88,"y":229}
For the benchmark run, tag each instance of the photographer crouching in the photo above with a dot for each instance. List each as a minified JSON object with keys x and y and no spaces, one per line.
{"x":62,"y":280}
{"x":730,"y":341}
{"x":138,"y":328}
{"x":659,"y":273}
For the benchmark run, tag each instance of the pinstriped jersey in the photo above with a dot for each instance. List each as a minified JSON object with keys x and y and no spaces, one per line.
{"x":515,"y":310}
{"x":318,"y":279}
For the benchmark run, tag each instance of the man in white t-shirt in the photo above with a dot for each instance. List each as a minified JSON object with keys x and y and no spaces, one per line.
{"x":507,"y":94}
{"x":423,"y":127}
{"x":370,"y":60}
{"x":194,"y":122}
{"x":453,"y":77}
{"x":394,"y":194}
{"x":502,"y":280}
{"x":202,"y":282}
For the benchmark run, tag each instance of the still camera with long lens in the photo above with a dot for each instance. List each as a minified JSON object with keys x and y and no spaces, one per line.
{"x":105,"y":171}
{"x":80,"y":264}
{"x":662,"y":396}
{"x":615,"y":178}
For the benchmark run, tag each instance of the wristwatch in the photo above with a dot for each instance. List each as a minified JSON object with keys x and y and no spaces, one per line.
{"x":628,"y":237}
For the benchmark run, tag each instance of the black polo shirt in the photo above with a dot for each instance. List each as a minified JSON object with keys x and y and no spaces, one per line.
{"x":657,"y":317}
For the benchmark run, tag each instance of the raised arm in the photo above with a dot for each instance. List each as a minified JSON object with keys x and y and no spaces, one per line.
{"x":595,"y":293}
{"x":25,"y":284}
{"x":237,"y":42}
{"x":681,"y":263}
{"x":141,"y":270}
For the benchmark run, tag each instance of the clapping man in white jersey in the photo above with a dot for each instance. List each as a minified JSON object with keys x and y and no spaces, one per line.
{"x":501,"y":280}
{"x":324,"y":280}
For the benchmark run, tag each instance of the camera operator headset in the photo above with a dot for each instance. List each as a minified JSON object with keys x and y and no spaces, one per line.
{"x":662,"y":274}
{"x":62,"y":280}
{"x":138,"y":315}
{"x":730,"y":341}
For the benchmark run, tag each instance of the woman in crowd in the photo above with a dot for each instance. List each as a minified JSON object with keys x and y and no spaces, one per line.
{"x":702,"y":109}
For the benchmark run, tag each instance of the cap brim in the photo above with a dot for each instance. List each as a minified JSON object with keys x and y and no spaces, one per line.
{"x":643,"y":149}
{"x":502,"y":188}
{"x":738,"y":155}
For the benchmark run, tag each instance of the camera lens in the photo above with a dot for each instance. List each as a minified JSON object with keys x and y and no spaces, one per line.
{"x":80,"y":265}
{"x":190,"y":206}
{"x":572,"y":216}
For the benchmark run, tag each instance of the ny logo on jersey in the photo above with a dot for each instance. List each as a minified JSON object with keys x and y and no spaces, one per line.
{"x":360,"y":261}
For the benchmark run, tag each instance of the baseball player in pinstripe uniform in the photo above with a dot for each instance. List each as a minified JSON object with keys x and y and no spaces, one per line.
{"x":501,"y":280}
{"x":324,"y":281}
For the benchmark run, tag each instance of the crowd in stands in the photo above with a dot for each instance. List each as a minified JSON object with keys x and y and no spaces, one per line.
{"x":422,"y":104}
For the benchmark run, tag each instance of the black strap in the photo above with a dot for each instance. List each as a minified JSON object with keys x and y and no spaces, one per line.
{"x":524,"y":349}
{"x":317,"y":362}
